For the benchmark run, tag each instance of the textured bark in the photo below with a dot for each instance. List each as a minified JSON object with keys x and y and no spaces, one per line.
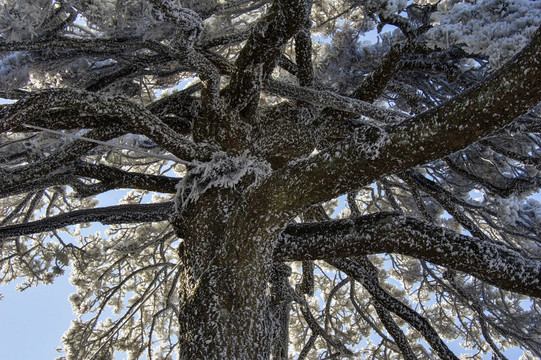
{"x":236,"y":225}
{"x":395,"y":233}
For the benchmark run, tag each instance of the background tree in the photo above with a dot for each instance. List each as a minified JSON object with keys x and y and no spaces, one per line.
{"x":229,"y":244}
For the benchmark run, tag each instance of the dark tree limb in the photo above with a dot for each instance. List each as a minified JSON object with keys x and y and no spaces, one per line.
{"x":53,"y":164}
{"x":114,"y":178}
{"x":265,"y":45}
{"x":375,"y":82}
{"x":394,"y":233}
{"x":303,"y":52}
{"x":371,"y":152}
{"x":448,"y":201}
{"x":119,"y":214}
{"x":101,"y":47}
{"x":506,"y":189}
{"x":128,"y":115}
{"x":332,"y":100}
{"x":319,"y":331}
{"x":33,"y":185}
{"x":383,"y":313}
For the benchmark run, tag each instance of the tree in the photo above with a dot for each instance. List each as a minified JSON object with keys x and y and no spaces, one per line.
{"x":227,"y":243}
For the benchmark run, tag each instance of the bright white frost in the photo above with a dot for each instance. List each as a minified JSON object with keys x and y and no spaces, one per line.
{"x":24,"y":20}
{"x":496,"y":28}
{"x":141,"y":18}
{"x":514,"y":210}
{"x":386,"y":7}
{"x":221,"y":171}
{"x":13,"y":70}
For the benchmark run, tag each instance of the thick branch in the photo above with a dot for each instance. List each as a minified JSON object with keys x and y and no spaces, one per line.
{"x":52,"y":164}
{"x":119,"y":214}
{"x":130,"y":115}
{"x":374,"y":83}
{"x":395,"y":233}
{"x":99,"y":47}
{"x":372,"y":152}
{"x":262,"y":50}
{"x":114,"y":178}
{"x":332,"y":100}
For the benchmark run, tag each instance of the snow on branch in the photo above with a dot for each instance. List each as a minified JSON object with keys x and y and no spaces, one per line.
{"x":118,"y":214}
{"x":62,"y":157}
{"x":262,"y":50}
{"x":371,"y":152}
{"x":100,"y":46}
{"x":127,"y":114}
{"x":222,"y":171}
{"x":395,"y":233}
{"x":394,"y":305}
{"x":333,"y":100}
{"x":114,"y":178}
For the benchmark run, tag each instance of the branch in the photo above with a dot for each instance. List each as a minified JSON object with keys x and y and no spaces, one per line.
{"x":99,"y":47}
{"x":332,"y":100}
{"x":447,"y":200}
{"x":396,"y":306}
{"x":118,"y":214}
{"x":259,"y":56}
{"x":375,"y":82}
{"x":383,"y":313}
{"x":35,"y":184}
{"x":125,"y":113}
{"x":53,"y":164}
{"x":371,"y":152}
{"x":112,"y":178}
{"x":395,"y":233}
{"x":303,"y":53}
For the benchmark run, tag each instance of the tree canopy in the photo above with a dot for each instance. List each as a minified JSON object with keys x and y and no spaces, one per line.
{"x":302,"y":179}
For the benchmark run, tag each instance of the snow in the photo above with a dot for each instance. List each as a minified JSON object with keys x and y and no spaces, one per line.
{"x":491,"y":27}
{"x":13,"y":71}
{"x":221,"y":171}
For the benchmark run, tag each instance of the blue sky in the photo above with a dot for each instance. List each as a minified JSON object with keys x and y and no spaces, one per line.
{"x":32,"y":322}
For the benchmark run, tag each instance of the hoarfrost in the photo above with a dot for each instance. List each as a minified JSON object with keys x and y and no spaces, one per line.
{"x":512,"y":210}
{"x":497,"y":28}
{"x":221,"y":171}
{"x":386,"y":7}
{"x":13,"y":70}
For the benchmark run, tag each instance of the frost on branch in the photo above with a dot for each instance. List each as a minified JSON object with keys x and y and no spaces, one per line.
{"x":24,"y":20}
{"x":222,"y":171}
{"x":13,"y":70}
{"x":188,"y":23}
{"x":497,"y":28}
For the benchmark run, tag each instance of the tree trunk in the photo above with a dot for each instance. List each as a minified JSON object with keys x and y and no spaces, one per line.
{"x":226,"y":317}
{"x":226,"y":312}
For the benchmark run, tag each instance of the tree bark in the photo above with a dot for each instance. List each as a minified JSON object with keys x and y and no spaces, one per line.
{"x":228,"y":259}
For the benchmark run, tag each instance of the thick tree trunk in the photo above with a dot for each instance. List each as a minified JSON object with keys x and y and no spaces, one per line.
{"x":225,"y":311}
{"x":226,"y":317}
